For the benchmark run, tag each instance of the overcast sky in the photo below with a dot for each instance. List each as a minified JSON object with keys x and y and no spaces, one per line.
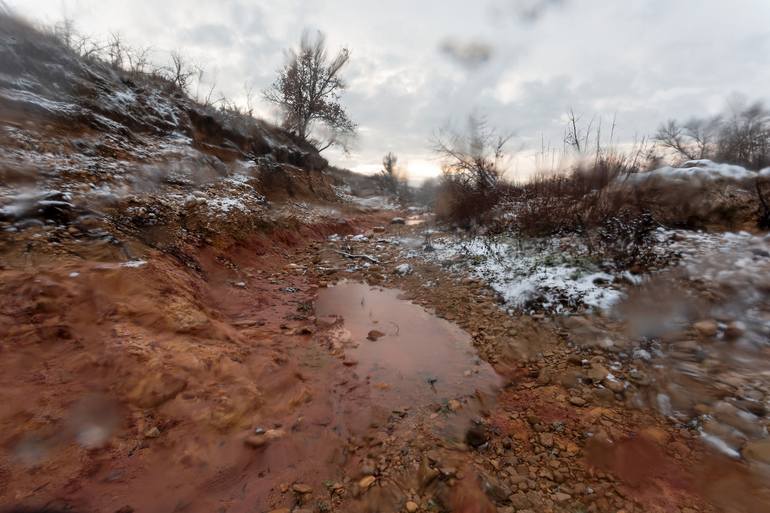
{"x":417,"y":65}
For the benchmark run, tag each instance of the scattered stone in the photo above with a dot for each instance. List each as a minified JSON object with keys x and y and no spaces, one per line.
{"x":735,"y":330}
{"x":597,"y":373}
{"x":374,"y":335}
{"x":262,"y":437}
{"x":280,"y":510}
{"x":411,"y":506}
{"x":255,"y":441}
{"x":707,"y":328}
{"x":454,"y":405}
{"x":301,"y":488}
{"x":546,"y":440}
{"x":614,"y":385}
{"x":153,"y":432}
{"x":366,"y":482}
{"x":476,"y":436}
{"x":758,"y":450}
{"x":520,"y":501}
{"x":398,"y":220}
{"x":404,"y":269}
{"x":561,"y":497}
{"x":577,"y":401}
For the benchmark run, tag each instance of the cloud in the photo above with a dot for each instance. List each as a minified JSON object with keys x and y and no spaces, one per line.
{"x":417,"y":65}
{"x":470,"y":54}
{"x":207,"y":34}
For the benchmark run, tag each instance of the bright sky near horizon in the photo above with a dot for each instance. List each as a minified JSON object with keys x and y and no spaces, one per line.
{"x":417,"y":66}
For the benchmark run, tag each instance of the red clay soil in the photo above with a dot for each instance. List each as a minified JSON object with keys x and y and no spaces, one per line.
{"x":162,"y":387}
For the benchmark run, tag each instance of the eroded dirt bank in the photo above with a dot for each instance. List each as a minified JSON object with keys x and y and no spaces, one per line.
{"x":218,"y":380}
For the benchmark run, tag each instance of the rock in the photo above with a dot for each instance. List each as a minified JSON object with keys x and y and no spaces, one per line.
{"x":374,"y":335}
{"x":476,"y":436}
{"x":577,"y":401}
{"x":614,"y":385}
{"x":520,"y":501}
{"x":404,"y":269}
{"x":597,"y":372}
{"x":280,"y":510}
{"x":546,"y":440}
{"x":153,"y":432}
{"x":758,"y":451}
{"x":398,"y":220}
{"x":301,"y":488}
{"x":707,"y":328}
{"x":454,"y":405}
{"x":366,"y":482}
{"x":735,"y":330}
{"x":255,"y":441}
{"x":544,"y":376}
{"x":411,"y":506}
{"x":262,"y":437}
{"x":561,"y":497}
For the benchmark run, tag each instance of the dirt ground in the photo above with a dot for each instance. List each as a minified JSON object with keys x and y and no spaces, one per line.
{"x":208,"y":382}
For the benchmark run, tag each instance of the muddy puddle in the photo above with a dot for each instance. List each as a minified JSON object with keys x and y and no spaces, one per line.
{"x":407,"y":355}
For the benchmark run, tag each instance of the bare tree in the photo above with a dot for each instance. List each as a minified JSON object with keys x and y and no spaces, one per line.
{"x":179,"y":72}
{"x":474,"y":157}
{"x":671,"y":135}
{"x":742,"y":136}
{"x":137,"y":59}
{"x":115,"y":50}
{"x":573,"y":136}
{"x":389,"y":175}
{"x":65,"y":31}
{"x":249,"y":90}
{"x":308,"y":91}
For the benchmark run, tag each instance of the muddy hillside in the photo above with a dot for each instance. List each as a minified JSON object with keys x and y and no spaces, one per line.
{"x":198,"y":314}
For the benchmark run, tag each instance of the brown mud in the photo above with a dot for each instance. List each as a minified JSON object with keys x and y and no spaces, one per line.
{"x":250,"y":382}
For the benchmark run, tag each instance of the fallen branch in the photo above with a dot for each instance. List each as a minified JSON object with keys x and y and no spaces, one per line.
{"x":365,"y":257}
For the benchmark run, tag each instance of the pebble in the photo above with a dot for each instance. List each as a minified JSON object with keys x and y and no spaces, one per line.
{"x":373,"y":335}
{"x":476,"y":436}
{"x":758,"y":451}
{"x":404,"y":269}
{"x":707,"y":328}
{"x":301,"y":488}
{"x":411,"y":506}
{"x":366,"y":482}
{"x":577,"y":401}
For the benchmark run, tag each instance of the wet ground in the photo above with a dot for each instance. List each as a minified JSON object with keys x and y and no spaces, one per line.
{"x":408,"y":355}
{"x":287,"y":376}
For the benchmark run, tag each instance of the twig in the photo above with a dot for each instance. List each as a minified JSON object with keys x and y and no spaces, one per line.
{"x":365,"y":257}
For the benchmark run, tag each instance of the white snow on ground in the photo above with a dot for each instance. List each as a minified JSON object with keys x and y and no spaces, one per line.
{"x":535,"y":277}
{"x":51,"y":106}
{"x":700,"y":171}
{"x":225,"y":205}
{"x":374,"y":202}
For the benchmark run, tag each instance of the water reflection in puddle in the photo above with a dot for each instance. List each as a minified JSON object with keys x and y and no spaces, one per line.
{"x":418,"y":359}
